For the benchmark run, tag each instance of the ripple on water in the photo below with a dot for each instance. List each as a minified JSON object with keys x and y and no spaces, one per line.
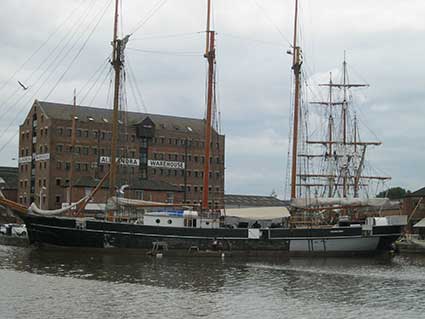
{"x":43,"y":284}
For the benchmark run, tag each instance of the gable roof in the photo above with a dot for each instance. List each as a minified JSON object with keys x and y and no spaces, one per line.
{"x":10,"y":176}
{"x":175,"y":123}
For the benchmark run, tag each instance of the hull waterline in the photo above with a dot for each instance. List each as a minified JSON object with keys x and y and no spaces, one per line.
{"x":74,"y":232}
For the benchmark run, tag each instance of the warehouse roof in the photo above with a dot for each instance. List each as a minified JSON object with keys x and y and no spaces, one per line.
{"x":101,"y":115}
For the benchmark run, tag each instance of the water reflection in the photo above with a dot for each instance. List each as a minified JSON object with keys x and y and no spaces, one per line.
{"x":180,"y":273}
{"x":138,"y":286}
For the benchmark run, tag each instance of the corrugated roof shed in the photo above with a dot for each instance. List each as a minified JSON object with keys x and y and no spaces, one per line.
{"x":419,"y":193}
{"x":10,"y":176}
{"x":240,"y":201}
{"x":259,"y":213}
{"x":420,"y":224}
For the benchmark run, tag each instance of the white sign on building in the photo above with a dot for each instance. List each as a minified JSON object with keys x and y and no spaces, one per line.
{"x":122,"y":161}
{"x":25,"y":159}
{"x":42,"y":157}
{"x":166,"y":164}
{"x":36,"y":157}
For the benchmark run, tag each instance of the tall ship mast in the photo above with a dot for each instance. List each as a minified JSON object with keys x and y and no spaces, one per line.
{"x":296,"y":67}
{"x":118,"y":46}
{"x":210,"y":56}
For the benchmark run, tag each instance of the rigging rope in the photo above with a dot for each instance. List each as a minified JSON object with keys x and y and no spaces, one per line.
{"x":174,"y":53}
{"x":151,"y":13}
{"x":17,"y":114}
{"x":272,"y":23}
{"x":99,"y":72}
{"x":40,"y":65}
{"x":166,"y":36}
{"x":108,"y":75}
{"x":43,"y":44}
{"x":135,"y":88}
{"x":80,"y":50}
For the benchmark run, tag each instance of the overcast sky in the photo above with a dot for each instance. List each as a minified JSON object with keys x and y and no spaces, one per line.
{"x":46,"y":45}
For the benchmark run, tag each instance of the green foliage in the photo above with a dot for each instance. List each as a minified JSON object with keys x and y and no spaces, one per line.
{"x":393,"y":193}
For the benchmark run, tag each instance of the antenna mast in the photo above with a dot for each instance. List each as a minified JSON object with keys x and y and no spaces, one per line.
{"x":210,"y":56}
{"x":296,"y":66}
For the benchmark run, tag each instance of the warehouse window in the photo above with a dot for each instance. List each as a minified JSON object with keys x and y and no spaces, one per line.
{"x":139,"y":194}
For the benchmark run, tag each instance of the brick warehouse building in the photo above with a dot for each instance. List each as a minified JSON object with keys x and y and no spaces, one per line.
{"x":162,"y":157}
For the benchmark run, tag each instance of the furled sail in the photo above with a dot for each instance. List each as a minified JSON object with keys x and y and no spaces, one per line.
{"x":328,"y":202}
{"x":115,"y":202}
{"x":34,"y":209}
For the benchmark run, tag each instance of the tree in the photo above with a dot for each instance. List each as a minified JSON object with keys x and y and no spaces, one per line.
{"x":393,"y":193}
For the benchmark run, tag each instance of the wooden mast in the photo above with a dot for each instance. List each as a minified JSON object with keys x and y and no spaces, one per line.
{"x":330,"y":116}
{"x":116,"y":62}
{"x":210,"y":56}
{"x":73,"y":140}
{"x":330,"y":137}
{"x":344,"y":121}
{"x":355,"y":133}
{"x":296,"y":66}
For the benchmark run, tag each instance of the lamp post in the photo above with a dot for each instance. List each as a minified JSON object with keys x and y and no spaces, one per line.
{"x":41,"y":192}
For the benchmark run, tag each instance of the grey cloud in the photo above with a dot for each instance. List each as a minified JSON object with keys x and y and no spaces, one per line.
{"x":254,"y":77}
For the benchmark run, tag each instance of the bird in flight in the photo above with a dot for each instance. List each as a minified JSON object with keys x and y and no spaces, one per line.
{"x":23,"y":86}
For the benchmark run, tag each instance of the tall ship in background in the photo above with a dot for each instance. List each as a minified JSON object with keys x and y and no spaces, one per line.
{"x":330,"y":187}
{"x":321,"y":198}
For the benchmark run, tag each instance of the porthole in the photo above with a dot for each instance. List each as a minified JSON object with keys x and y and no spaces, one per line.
{"x":169,"y":221}
{"x":207,"y":223}
{"x":158,"y":221}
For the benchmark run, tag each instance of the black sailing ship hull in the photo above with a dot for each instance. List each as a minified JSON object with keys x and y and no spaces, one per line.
{"x":332,"y":241}
{"x":71,"y":232}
